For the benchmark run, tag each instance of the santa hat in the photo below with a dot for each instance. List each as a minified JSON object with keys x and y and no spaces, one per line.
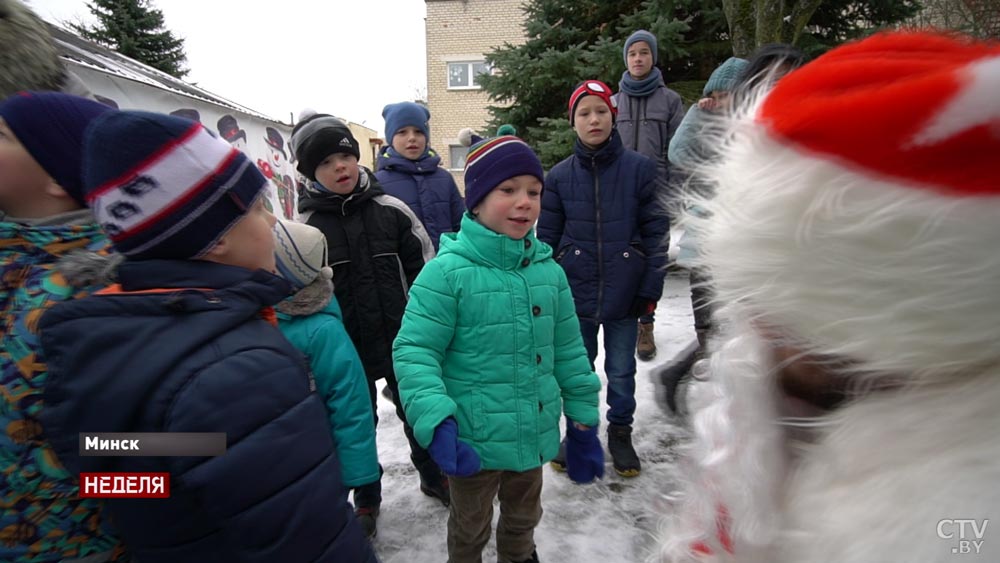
{"x":858,"y":205}
{"x":162,"y":186}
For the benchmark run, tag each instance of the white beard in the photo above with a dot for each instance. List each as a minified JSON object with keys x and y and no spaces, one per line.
{"x":866,"y":483}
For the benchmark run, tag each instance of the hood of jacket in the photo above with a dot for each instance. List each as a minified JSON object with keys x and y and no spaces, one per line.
{"x":603,"y":155}
{"x":311,"y":299}
{"x":477,"y":243}
{"x":366,"y":189}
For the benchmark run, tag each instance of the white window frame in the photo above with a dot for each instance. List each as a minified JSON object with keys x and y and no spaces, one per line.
{"x":470,"y":64}
{"x":451,"y":163}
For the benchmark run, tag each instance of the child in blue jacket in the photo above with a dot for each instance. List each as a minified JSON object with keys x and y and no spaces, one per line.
{"x":601,"y":214}
{"x":409,"y":169}
{"x":311,"y":320}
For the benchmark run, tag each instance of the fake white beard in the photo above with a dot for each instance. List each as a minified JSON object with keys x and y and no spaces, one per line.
{"x":738,"y":458}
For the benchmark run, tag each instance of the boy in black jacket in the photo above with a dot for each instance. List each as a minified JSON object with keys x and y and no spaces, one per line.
{"x":377,"y":248}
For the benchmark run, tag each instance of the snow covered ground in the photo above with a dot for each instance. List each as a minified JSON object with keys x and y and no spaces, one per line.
{"x":611,"y":521}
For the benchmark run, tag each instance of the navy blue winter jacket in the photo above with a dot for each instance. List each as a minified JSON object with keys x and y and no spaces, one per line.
{"x":182,"y":347}
{"x":601,"y":214}
{"x":426,"y":188}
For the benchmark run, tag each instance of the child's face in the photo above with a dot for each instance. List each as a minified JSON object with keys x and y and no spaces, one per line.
{"x":592,"y":120}
{"x":512,"y":207}
{"x":250,"y":242}
{"x":640,"y":59}
{"x":22,"y":179}
{"x":409,"y":142}
{"x":338,"y":173}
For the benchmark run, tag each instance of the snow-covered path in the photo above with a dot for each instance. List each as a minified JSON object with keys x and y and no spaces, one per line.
{"x":607,"y":522}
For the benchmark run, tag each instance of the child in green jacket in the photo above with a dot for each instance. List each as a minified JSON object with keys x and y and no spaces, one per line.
{"x":311,"y":320}
{"x":490,"y":356}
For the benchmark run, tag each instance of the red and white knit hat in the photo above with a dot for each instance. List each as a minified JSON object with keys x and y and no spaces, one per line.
{"x":858,"y":205}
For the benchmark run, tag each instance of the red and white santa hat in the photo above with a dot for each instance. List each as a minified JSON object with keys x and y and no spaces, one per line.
{"x":858,"y":205}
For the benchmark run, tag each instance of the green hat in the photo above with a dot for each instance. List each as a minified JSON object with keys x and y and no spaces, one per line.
{"x":723,"y":79}
{"x":506,"y":129}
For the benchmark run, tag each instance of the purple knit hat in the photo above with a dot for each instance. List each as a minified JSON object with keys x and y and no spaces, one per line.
{"x":491,"y":161}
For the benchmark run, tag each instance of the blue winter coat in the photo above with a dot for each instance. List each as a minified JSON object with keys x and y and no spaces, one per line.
{"x":311,"y":320}
{"x":181,"y":346}
{"x":426,"y":188}
{"x":601,"y":213}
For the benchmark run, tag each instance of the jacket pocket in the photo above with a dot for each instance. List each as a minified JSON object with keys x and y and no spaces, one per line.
{"x":626,"y":265}
{"x":563,"y":250}
{"x":396,"y":264}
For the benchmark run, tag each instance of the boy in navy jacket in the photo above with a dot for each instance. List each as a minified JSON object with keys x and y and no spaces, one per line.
{"x":186,"y":341}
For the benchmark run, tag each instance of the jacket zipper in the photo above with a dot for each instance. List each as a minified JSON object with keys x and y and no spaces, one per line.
{"x":600,"y":238}
{"x":635,"y":124}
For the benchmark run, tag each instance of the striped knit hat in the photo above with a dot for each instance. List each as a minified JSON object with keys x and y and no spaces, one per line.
{"x":491,"y":161}
{"x":300,"y":253}
{"x":163,"y":186}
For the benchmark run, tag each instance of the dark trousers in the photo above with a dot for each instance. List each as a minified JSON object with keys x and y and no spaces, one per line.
{"x":370,"y":495}
{"x":701,"y":300}
{"x":471,"y":514}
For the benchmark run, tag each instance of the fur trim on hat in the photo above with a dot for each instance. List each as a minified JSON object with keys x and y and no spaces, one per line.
{"x":893,"y":277}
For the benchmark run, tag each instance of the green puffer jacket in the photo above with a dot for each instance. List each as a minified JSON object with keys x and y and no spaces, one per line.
{"x":490,"y":336}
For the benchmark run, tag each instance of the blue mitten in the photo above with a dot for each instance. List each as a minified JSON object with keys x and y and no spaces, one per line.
{"x":453,"y":456}
{"x":584,"y":454}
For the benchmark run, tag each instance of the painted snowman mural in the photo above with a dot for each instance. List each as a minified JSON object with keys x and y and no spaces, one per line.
{"x":276,"y":169}
{"x":281,"y":197}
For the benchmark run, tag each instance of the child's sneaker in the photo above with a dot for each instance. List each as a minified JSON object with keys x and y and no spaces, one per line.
{"x":559,"y":462}
{"x":367,"y":517}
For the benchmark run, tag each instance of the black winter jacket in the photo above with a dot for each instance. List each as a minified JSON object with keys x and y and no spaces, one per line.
{"x":377,"y":248}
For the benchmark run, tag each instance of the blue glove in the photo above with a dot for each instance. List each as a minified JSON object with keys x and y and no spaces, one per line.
{"x":584,"y":454}
{"x":454,"y":457}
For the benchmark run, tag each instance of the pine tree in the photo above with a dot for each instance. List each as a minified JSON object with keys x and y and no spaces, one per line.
{"x":569,"y":41}
{"x":135,"y":29}
{"x":573,"y":40}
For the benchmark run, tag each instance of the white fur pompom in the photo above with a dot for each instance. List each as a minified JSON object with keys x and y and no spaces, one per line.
{"x":465,"y":137}
{"x":326,"y":273}
{"x":306,"y":113}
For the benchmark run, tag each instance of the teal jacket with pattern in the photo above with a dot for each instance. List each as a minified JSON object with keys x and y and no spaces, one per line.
{"x":491,"y":337}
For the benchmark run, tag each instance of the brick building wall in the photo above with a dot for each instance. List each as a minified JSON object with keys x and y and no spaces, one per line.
{"x":459,"y":34}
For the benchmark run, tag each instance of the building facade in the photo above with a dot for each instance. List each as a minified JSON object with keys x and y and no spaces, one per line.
{"x":459,"y":35}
